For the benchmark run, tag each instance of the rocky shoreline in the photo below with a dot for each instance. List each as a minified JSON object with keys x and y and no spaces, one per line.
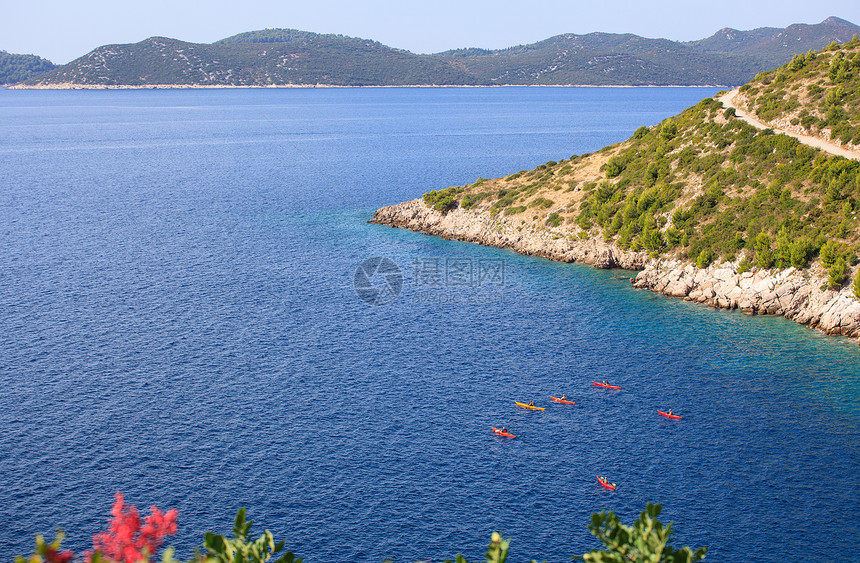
{"x":791,"y":293}
{"x":75,"y":86}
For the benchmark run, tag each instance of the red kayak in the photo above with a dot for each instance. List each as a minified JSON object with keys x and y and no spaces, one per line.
{"x":606,"y":385}
{"x":670,"y":415}
{"x":500,"y":432}
{"x":605,"y":483}
{"x":563,"y":401}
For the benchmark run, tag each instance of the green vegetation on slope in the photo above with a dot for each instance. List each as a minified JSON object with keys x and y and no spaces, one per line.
{"x":319,"y":60}
{"x":703,"y":186}
{"x":17,"y":68}
{"x":817,"y":93}
{"x":288,"y":56}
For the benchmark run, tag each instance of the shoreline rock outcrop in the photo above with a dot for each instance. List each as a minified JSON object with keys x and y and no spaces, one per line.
{"x":503,"y":232}
{"x":798,"y":295}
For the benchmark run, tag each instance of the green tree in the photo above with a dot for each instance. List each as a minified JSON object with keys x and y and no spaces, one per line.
{"x":647,"y":540}
{"x":856,"y":285}
{"x":763,"y":253}
{"x":782,"y":257}
{"x":829,"y":253}
{"x":838,"y":273}
{"x":654,"y":240}
{"x":705,"y":258}
{"x":669,"y":129}
{"x":801,"y":249}
{"x":614,"y":167}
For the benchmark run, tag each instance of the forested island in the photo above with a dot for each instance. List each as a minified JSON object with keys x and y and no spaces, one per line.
{"x":287,"y":57}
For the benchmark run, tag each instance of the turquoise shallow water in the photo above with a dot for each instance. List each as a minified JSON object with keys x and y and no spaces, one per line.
{"x":179,"y":322}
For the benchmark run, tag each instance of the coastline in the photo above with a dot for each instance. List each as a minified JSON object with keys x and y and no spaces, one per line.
{"x":794,"y":294}
{"x":72,"y":86}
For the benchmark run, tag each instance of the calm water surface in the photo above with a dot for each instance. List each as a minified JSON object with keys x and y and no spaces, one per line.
{"x":178,"y":321}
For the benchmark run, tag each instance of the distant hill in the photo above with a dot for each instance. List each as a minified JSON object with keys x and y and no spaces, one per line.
{"x":17,"y":68}
{"x":276,"y":57}
{"x":318,"y":59}
{"x":776,"y":46}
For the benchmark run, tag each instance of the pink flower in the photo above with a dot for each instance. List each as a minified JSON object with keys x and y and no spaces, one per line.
{"x":126,"y":541}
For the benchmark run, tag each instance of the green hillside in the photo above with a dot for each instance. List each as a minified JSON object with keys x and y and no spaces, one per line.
{"x":292,"y":57}
{"x":160,"y":60}
{"x":606,"y":59}
{"x":816,"y":93}
{"x":703,"y":186}
{"x":17,"y":68}
{"x":774,"y":46}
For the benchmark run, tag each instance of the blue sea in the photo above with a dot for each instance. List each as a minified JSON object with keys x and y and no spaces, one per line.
{"x":195,"y":312}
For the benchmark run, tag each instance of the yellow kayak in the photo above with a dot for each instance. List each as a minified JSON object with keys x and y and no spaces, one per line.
{"x":527,"y":406}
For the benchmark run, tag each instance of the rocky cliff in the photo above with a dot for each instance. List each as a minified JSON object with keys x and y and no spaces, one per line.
{"x":506,"y":232}
{"x":799,"y":295}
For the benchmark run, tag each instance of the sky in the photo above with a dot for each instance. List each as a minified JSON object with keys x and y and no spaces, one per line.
{"x":62,"y":30}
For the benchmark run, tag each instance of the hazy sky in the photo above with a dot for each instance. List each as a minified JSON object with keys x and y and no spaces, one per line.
{"x":62,"y":30}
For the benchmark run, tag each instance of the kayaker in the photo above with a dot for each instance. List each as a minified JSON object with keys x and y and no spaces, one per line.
{"x":531,"y":403}
{"x":563,"y":397}
{"x":670,"y":411}
{"x":504,"y":430}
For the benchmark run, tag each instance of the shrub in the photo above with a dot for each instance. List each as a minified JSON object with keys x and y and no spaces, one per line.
{"x":241,"y":549}
{"x":470,"y":200}
{"x":705,"y":258}
{"x":837,"y":273}
{"x":442,"y":200}
{"x":745,"y":265}
{"x":801,"y":250}
{"x":515,"y":209}
{"x":654,"y":240}
{"x":764,"y":255}
{"x":645,"y":540}
{"x":613,"y":167}
{"x":856,"y":285}
{"x":554,"y":220}
{"x":829,"y":253}
{"x":542,"y":202}
{"x":668,"y":130}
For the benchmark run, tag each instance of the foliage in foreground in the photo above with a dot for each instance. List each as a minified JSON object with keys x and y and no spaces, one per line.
{"x":647,"y":540}
{"x":127,"y":541}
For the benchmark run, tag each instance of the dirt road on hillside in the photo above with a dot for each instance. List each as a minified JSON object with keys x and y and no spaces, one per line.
{"x":728,"y":101}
